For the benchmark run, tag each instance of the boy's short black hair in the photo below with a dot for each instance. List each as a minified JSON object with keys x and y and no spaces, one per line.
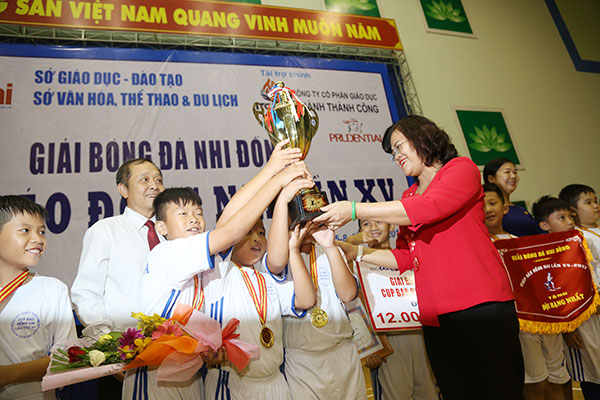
{"x":570,"y":193}
{"x":492,"y":187}
{"x":11,"y":205}
{"x":546,"y":205}
{"x":178,"y":195}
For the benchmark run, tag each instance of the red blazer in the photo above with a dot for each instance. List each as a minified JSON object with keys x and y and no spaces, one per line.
{"x":448,"y":245}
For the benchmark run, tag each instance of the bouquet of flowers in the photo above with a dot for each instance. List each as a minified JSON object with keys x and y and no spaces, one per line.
{"x":174,"y":345}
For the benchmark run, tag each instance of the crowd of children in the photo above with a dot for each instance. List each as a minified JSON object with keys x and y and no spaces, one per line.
{"x":552,"y":361}
{"x":289,"y":291}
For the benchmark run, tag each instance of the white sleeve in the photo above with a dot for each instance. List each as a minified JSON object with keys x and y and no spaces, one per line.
{"x":88,"y":288}
{"x":175,"y":262}
{"x":286,"y":294}
{"x":64,"y":331}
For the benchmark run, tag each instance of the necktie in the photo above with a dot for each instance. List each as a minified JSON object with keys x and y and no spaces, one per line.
{"x":152,"y":236}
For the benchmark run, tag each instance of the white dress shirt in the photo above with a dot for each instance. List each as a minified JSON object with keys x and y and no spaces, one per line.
{"x":113,"y":259}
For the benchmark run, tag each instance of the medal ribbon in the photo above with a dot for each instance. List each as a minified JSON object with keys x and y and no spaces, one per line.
{"x":314,"y":273}
{"x":13,"y":285}
{"x":588,"y":230}
{"x":271,"y":119}
{"x":260,"y":300}
{"x":198,"y":300}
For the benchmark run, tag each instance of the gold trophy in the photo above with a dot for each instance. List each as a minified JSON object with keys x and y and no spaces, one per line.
{"x":286,"y":117}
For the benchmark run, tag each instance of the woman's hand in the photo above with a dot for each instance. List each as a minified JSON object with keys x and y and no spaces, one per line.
{"x":336,"y":215}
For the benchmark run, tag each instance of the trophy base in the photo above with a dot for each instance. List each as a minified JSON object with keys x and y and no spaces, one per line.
{"x":306,"y":205}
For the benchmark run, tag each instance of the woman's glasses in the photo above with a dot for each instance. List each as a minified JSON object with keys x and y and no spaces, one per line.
{"x":396,"y":148}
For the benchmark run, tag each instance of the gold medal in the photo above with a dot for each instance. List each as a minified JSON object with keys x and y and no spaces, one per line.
{"x":318,"y":317}
{"x":266,"y":337}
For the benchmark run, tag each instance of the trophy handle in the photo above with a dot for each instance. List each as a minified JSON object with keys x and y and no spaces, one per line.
{"x":313,"y":119}
{"x":259,"y":112}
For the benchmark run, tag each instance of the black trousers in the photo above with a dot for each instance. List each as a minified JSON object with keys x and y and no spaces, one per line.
{"x":475,"y":353}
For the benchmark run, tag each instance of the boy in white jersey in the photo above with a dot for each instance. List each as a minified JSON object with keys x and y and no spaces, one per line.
{"x":235,"y":289}
{"x":495,"y":207}
{"x":35,"y":311}
{"x":404,"y":374}
{"x":321,"y":361}
{"x":583,"y":345}
{"x":546,"y":375}
{"x":171,"y":275}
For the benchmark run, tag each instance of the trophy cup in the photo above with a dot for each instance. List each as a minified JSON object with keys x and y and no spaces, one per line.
{"x":286,"y":117}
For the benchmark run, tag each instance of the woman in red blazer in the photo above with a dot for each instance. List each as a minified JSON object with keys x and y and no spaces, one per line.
{"x":469,"y":320}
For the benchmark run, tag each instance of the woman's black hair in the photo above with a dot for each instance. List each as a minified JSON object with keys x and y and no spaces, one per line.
{"x":430,"y":142}
{"x":493,"y":166}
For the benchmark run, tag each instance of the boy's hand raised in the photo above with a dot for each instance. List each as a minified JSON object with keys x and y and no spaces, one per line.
{"x":281,"y":157}
{"x":290,"y":190}
{"x":363,"y":237}
{"x":298,"y":235}
{"x":348,"y":249}
{"x":291,"y":172}
{"x":325,"y":237}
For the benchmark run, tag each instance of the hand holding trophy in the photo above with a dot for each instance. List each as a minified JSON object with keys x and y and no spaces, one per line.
{"x":286,"y":117}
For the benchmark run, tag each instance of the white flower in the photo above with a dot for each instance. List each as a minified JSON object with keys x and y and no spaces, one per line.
{"x":96,"y":357}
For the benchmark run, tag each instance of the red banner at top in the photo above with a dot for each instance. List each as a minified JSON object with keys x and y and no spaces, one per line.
{"x":551,"y":280}
{"x":208,"y":18}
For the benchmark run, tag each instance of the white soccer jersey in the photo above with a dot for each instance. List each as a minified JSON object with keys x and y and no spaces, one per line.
{"x":36,"y":317}
{"x":406,"y":373}
{"x":503,"y":236}
{"x":300,"y":333}
{"x":592,"y":237}
{"x":168,"y":280}
{"x":313,"y":356}
{"x":169,"y":274}
{"x":227,"y":297}
{"x":584,"y":364}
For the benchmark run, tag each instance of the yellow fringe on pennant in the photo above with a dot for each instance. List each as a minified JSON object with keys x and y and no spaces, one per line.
{"x":560,"y":327}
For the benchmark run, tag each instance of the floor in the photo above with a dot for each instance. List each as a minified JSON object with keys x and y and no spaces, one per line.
{"x":576,"y":390}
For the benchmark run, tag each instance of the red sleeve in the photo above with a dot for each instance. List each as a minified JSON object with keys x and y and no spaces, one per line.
{"x":455,"y":185}
{"x":403,"y":257}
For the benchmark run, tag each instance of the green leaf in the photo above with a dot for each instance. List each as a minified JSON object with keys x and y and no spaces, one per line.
{"x":502,"y":147}
{"x":457,"y":19}
{"x":486,"y":132}
{"x":480,"y":147}
{"x":501,"y":138}
{"x":63,"y":352}
{"x":479,"y":133}
{"x":59,"y":358}
{"x":475,"y":138}
{"x":493,"y":132}
{"x":434,"y":15}
{"x":363,"y":5}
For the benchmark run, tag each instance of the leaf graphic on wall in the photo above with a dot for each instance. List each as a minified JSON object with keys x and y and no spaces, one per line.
{"x":442,"y":11}
{"x":363,"y":4}
{"x":485,"y":139}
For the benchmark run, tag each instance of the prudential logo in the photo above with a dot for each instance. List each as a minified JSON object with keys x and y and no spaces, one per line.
{"x":353,"y":133}
{"x":6,"y":95}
